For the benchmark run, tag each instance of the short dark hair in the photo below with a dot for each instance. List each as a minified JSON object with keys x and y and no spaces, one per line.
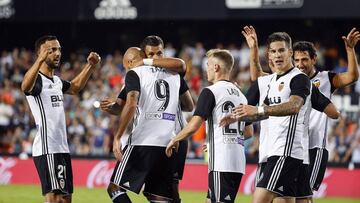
{"x":151,"y":40}
{"x":279,"y":36}
{"x":42,"y":40}
{"x":303,"y":46}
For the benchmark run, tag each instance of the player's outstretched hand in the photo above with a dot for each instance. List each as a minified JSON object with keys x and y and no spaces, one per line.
{"x":170,"y":147}
{"x":227,"y":120}
{"x":106,"y":104}
{"x":250,"y":36}
{"x":241,"y":112}
{"x":117,"y":150}
{"x":93,"y":58}
{"x":352,"y":38}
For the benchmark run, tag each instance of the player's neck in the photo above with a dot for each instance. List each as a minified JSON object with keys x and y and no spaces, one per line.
{"x":46,"y":70}
{"x":312,"y":73}
{"x":283,"y":70}
{"x":221,"y":77}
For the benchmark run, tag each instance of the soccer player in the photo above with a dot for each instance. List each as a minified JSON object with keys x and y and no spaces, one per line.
{"x":153,"y":95}
{"x":305,"y":60}
{"x":327,"y":82}
{"x":225,"y":144}
{"x":153,"y":46}
{"x":287,"y":100}
{"x":44,"y":93}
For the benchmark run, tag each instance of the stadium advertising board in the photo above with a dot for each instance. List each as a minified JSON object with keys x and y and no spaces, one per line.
{"x":103,"y":10}
{"x":338,"y":182}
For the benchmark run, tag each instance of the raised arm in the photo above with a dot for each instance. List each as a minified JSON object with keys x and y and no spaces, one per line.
{"x":78,"y":83}
{"x":352,"y":74}
{"x":251,"y":39}
{"x":31,"y":75}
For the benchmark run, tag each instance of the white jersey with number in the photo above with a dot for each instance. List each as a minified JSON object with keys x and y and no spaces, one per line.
{"x":263,"y":83}
{"x":286,"y":132}
{"x":154,"y":122}
{"x":318,"y":120}
{"x":48,"y":111}
{"x":225,"y":144}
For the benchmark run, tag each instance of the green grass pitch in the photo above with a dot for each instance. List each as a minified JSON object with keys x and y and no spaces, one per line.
{"x":32,"y":194}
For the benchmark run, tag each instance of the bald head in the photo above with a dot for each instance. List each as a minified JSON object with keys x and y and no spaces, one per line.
{"x":132,"y":55}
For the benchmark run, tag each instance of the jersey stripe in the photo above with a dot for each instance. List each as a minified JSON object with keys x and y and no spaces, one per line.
{"x":290,"y":135}
{"x":122,"y":165}
{"x":276,"y":173}
{"x":43,"y":131}
{"x":211,"y":144}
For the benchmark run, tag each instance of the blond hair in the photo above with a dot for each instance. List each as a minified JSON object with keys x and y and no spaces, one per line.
{"x":224,"y":56}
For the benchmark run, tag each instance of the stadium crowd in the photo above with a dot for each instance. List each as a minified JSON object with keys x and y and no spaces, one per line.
{"x":90,"y":131}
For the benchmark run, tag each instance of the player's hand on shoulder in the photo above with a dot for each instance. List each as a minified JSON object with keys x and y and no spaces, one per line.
{"x":352,"y":38}
{"x":93,"y":58}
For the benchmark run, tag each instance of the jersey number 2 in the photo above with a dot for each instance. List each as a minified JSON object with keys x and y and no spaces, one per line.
{"x":226,"y":108}
{"x":162,"y":93}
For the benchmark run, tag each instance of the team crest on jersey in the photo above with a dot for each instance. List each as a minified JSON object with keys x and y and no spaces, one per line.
{"x":62,"y":183}
{"x":281,"y":86}
{"x":316,"y":83}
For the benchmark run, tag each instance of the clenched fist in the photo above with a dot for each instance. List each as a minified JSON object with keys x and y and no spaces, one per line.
{"x":93,"y":58}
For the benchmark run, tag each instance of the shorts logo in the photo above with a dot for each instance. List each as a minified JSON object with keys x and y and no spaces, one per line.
{"x":261,"y":177}
{"x":281,"y":188}
{"x":62,"y":183}
{"x":160,"y":116}
{"x":227,"y":198}
{"x":127,"y":184}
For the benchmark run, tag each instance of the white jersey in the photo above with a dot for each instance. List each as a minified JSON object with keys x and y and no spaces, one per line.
{"x":263,"y":83}
{"x":225,"y":144}
{"x":318,"y":120}
{"x":286,"y":132}
{"x":154,"y":122}
{"x":48,"y":111}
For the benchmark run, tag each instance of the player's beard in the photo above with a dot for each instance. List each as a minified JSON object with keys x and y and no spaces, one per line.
{"x":51,"y":64}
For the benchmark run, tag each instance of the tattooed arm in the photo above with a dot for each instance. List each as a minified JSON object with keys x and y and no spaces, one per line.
{"x":250,"y":113}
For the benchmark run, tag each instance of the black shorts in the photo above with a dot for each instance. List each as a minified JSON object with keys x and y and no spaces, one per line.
{"x":303,"y":189}
{"x":145,"y":164}
{"x":223,"y":186}
{"x":55,"y":172}
{"x":318,"y":161}
{"x":280,"y":175}
{"x":259,"y":172}
{"x":179,"y":160}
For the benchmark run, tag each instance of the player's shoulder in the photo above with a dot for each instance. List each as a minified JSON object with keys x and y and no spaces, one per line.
{"x":266,"y":78}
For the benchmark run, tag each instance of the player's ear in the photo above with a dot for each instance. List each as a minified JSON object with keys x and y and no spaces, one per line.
{"x":217,"y":67}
